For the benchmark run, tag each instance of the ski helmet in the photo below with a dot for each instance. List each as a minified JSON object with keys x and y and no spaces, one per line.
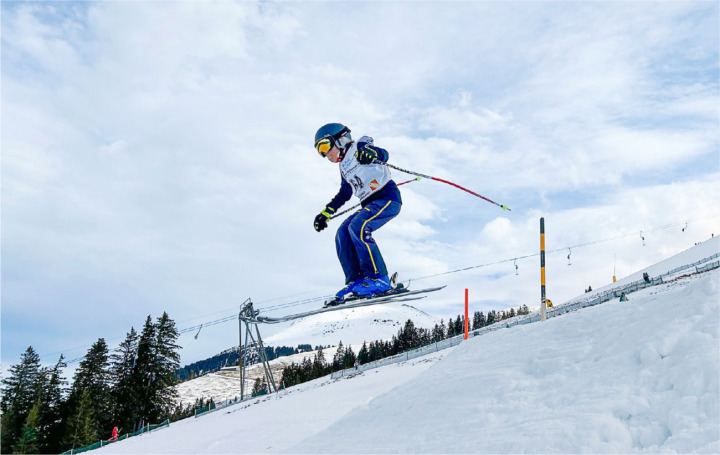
{"x":331,"y":134}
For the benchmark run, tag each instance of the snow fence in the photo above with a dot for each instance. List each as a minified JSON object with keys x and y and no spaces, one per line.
{"x":102,"y":443}
{"x":402,"y":357}
{"x":700,"y":266}
{"x":221,"y":405}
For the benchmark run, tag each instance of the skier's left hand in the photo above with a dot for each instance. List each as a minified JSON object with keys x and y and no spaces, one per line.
{"x":366,"y":153}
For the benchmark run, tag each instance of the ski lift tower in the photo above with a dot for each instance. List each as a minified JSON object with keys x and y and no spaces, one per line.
{"x":248,"y":317}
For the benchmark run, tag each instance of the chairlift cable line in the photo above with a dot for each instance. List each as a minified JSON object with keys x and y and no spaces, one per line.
{"x":514,"y":259}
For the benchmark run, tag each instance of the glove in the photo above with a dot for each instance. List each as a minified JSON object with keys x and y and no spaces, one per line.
{"x":366,"y":153}
{"x":322,"y":218}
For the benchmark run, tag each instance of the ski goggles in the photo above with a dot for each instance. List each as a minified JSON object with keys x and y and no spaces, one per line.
{"x":324,"y":145}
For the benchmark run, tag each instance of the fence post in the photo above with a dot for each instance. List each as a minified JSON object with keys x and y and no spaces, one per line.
{"x":543,"y":301}
{"x":466,"y":313}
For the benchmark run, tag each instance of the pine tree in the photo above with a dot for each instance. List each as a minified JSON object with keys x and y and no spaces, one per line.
{"x":407,"y":336}
{"x":363,"y":355}
{"x":435,"y":333}
{"x":93,"y":376}
{"x":338,"y":358}
{"x":19,"y":394}
{"x":143,"y":375}
{"x":482,"y":320}
{"x":375,"y":351}
{"x":124,"y":401}
{"x":450,"y":328}
{"x":28,"y":442}
{"x":83,"y":425}
{"x":491,"y":318}
{"x":319,"y":364}
{"x":154,"y":373}
{"x":288,"y":377}
{"x":394,"y":345}
{"x":478,"y":320}
{"x":260,"y":387}
{"x":168,"y":362}
{"x":50,"y":409}
{"x":459,"y":325}
{"x":349,"y":358}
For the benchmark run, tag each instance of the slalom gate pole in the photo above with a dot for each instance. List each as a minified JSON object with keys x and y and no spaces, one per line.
{"x":466,"y":313}
{"x":504,"y":207}
{"x":543,"y":301}
{"x":358,"y":205}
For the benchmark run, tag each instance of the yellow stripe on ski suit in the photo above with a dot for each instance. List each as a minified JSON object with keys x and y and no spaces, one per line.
{"x":363,"y":237}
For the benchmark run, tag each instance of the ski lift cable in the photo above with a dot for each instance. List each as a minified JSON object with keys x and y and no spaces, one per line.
{"x":657,"y":228}
{"x":234,"y":316}
{"x":463,"y":269}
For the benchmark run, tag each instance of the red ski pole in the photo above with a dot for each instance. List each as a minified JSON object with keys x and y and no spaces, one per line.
{"x":504,"y":207}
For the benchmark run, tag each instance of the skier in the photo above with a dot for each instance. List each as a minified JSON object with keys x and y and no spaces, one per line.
{"x":362,"y":174}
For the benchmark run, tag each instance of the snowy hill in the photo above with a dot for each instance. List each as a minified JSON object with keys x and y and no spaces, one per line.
{"x":701,"y":251}
{"x":352,"y":326}
{"x":637,"y":376}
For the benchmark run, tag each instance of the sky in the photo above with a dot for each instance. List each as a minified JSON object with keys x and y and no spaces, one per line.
{"x":158,"y":156}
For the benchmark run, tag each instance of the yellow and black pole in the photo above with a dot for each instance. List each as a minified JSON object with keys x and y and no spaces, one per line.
{"x":543,"y":301}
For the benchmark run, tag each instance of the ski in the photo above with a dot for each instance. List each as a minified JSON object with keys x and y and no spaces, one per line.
{"x":356,"y":303}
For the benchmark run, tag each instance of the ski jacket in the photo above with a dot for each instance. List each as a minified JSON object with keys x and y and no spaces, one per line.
{"x":369,"y":182}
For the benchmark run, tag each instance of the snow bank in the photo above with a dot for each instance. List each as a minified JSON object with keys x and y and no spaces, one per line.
{"x":640,"y":376}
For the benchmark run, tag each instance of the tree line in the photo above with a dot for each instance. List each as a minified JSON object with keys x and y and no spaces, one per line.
{"x":231,"y":357}
{"x":127,"y":388}
{"x":133,"y":386}
{"x":407,"y":338}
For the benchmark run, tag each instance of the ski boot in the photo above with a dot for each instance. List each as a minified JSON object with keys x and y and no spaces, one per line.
{"x":343,"y":295}
{"x":373,"y":287}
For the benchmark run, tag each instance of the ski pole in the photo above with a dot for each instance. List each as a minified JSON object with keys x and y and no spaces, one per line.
{"x":358,"y":205}
{"x":504,"y":207}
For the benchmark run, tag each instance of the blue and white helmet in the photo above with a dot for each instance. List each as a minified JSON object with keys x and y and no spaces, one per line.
{"x":331,"y":134}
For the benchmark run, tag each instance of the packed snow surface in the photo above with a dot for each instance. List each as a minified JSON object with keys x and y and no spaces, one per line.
{"x":638,"y":376}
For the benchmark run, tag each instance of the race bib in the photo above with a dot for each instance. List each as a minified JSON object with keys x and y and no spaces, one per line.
{"x":364,"y":178}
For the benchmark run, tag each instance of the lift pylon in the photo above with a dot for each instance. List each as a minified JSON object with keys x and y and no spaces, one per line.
{"x":247,"y":316}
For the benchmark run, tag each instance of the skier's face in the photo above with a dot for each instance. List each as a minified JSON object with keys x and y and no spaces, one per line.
{"x":333,"y":155}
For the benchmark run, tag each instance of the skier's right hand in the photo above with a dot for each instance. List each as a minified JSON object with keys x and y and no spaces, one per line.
{"x":320,"y":222}
{"x":322,"y":218}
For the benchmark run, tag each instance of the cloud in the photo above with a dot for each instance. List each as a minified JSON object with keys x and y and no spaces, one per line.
{"x":158,"y":156}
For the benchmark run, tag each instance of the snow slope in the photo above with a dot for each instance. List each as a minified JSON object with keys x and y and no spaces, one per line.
{"x":637,"y":376}
{"x":641,"y":376}
{"x":699,"y":252}
{"x":352,"y":326}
